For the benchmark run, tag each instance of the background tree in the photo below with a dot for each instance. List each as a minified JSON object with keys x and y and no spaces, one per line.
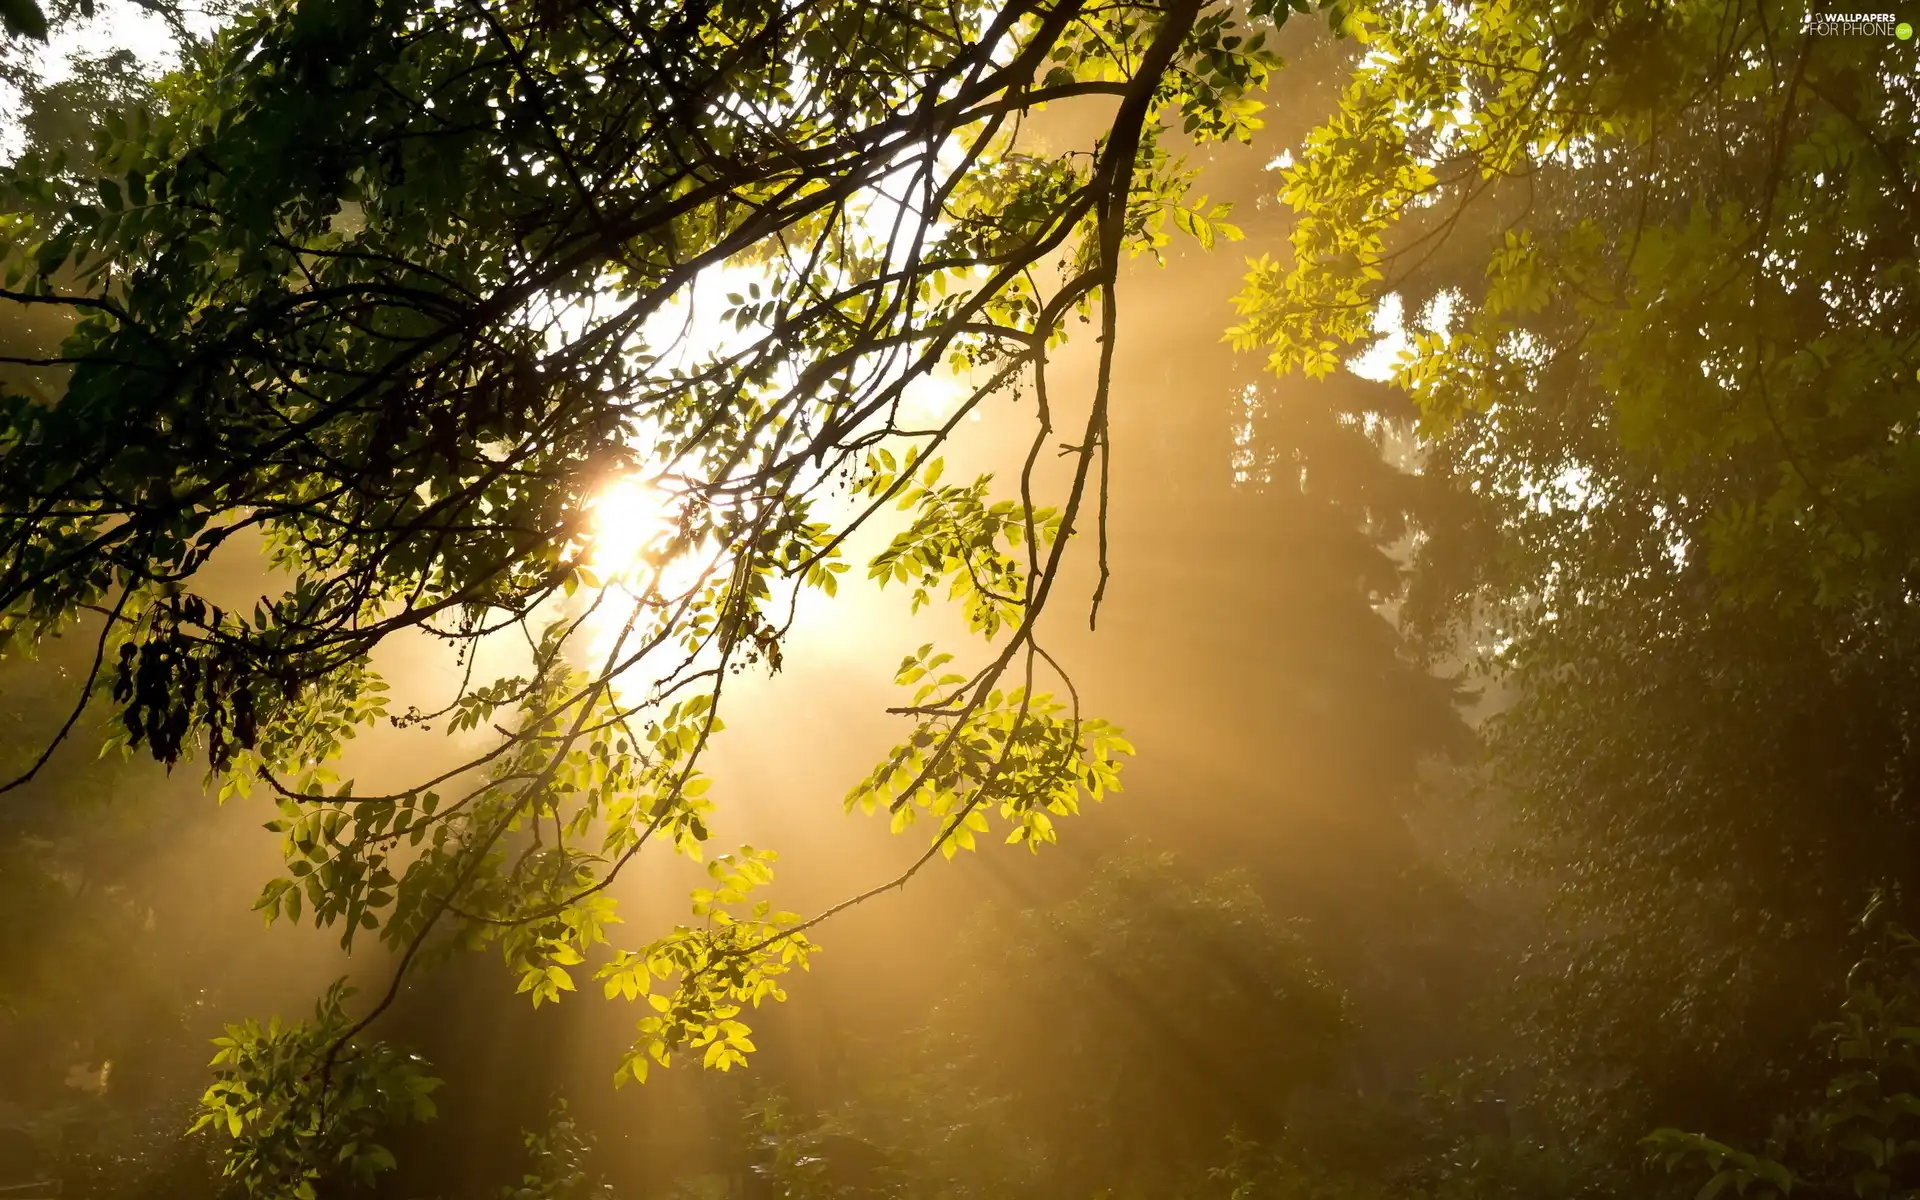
{"x":1199,"y":1013}
{"x":1661,"y":261}
{"x":1100,"y":1045}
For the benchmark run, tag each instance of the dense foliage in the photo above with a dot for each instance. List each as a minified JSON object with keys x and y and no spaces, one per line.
{"x":1658,"y":269}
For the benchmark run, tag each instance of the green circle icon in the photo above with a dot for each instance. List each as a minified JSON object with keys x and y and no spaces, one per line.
{"x":1903,"y":31}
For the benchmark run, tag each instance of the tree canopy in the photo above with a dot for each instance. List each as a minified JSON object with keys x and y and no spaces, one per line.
{"x":399,"y":291}
{"x":1656,"y":264}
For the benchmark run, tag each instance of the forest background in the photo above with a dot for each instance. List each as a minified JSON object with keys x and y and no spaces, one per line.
{"x":1513,"y":612}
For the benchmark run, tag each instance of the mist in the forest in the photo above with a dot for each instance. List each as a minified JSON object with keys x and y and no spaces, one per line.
{"x":1522,"y":724}
{"x":1279,"y":731}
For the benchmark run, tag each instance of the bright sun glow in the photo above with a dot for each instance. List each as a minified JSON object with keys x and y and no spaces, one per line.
{"x":632,"y":524}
